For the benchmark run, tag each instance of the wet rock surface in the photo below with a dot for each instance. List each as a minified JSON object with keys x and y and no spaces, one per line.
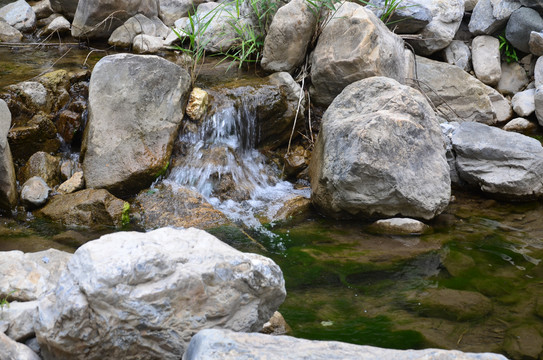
{"x":8,"y":185}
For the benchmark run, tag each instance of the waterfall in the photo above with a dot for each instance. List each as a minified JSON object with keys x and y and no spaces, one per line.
{"x":221,"y":162}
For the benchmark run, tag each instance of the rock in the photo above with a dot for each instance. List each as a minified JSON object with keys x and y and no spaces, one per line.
{"x":124,"y":35}
{"x":276,"y":326}
{"x":513,"y":79}
{"x":450,"y":304}
{"x":38,"y":134}
{"x":144,"y":295}
{"x":459,"y":96}
{"x":489,"y":16}
{"x":354,"y":45}
{"x":19,"y":15}
{"x":292,"y":207}
{"x":499,"y":162}
{"x":520,"y":125}
{"x":90,"y":16}
{"x":216,"y":344}
{"x":73,"y":184}
{"x":69,"y":124}
{"x":289,"y":35}
{"x":59,"y":25}
{"x":523,"y":342}
{"x":536,"y":43}
{"x":31,"y":274}
{"x":380,"y":152}
{"x":8,"y":33}
{"x":42,"y":9}
{"x":400,"y":226}
{"x":459,"y":54}
{"x":409,"y":18}
{"x":445,"y":22}
{"x":68,"y":168}
{"x":170,"y":205}
{"x":469,"y":5}
{"x":538,"y":72}
{"x":197,"y":105}
{"x":43,"y":165}
{"x":538,"y":102}
{"x":457,"y":263}
{"x":41,"y":23}
{"x":12,"y":350}
{"x":33,"y":95}
{"x":85,"y":208}
{"x":172,"y":10}
{"x":486,"y":59}
{"x":65,"y":7}
{"x":145,"y":44}
{"x":127,"y":143}
{"x":296,"y":160}
{"x":524,"y":102}
{"x":32,"y":343}
{"x":8,"y":182}
{"x":447,"y":130}
{"x":521,"y":23}
{"x":20,"y":317}
{"x":35,"y":192}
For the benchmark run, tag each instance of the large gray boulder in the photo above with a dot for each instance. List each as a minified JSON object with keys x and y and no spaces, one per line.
{"x":289,"y":35}
{"x":445,"y":21}
{"x":31,"y":275}
{"x":65,"y":7}
{"x":8,"y":182}
{"x":488,"y":16}
{"x":499,"y":162}
{"x":98,"y":18}
{"x":144,"y":295}
{"x":380,"y":152}
{"x":216,"y":344}
{"x":354,"y":45}
{"x":19,"y":15}
{"x":521,"y":23}
{"x":12,"y":350}
{"x":458,"y":96}
{"x":136,"y":104}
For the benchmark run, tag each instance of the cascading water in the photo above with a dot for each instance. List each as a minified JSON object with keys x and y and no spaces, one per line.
{"x":220,"y":161}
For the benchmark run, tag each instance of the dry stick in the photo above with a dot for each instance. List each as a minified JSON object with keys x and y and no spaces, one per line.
{"x":34,"y":44}
{"x":300,"y":97}
{"x":253,"y":240}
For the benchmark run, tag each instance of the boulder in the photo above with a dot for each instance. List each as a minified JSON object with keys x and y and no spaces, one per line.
{"x":399,"y":226}
{"x":411,"y":17}
{"x":489,"y":16}
{"x":217,"y":344}
{"x":513,"y":79}
{"x":37,"y":134}
{"x":138,"y":24}
{"x":8,"y":33}
{"x":459,"y":54}
{"x":35,"y":192}
{"x":536,"y":43}
{"x":21,"y":317}
{"x":128,"y":142}
{"x":73,"y":184}
{"x":450,"y":304}
{"x":536,"y":4}
{"x":31,"y":274}
{"x":445,"y":21}
{"x":520,"y":125}
{"x":19,"y":15}
{"x":524,"y":102}
{"x":8,"y":182}
{"x":197,"y":105}
{"x":87,"y":208}
{"x":42,"y":9}
{"x":380,"y":152}
{"x":538,"y":102}
{"x":538,"y":72}
{"x":523,"y":342}
{"x":288,"y":37}
{"x":98,"y":18}
{"x":65,"y":7}
{"x":469,"y":5}
{"x":521,"y":23}
{"x":458,"y":96}
{"x":485,"y":52}
{"x":354,"y":45}
{"x":43,"y":165}
{"x":499,"y":162}
{"x":58,"y":25}
{"x":144,"y":295}
{"x":170,"y":205}
{"x":146,"y":44}
{"x":32,"y":95}
{"x":12,"y":350}
{"x":172,"y":10}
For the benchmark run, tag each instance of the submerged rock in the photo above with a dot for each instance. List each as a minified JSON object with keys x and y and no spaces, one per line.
{"x":8,"y":182}
{"x":400,"y":226}
{"x":144,"y":295}
{"x":128,"y":142}
{"x":524,"y":342}
{"x":380,"y":152}
{"x":167,"y":205}
{"x":87,"y":208}
{"x":354,"y":45}
{"x":215,"y":344}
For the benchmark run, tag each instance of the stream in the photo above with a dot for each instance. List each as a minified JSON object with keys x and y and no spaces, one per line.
{"x":343,"y":282}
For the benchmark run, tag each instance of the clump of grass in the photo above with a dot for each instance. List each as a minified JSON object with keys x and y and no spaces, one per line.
{"x":509,"y":52}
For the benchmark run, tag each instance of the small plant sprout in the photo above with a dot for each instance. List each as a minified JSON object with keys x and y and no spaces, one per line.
{"x":508,"y":50}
